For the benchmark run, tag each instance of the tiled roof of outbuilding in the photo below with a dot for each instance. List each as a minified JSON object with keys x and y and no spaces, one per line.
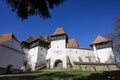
{"x":6,"y":37}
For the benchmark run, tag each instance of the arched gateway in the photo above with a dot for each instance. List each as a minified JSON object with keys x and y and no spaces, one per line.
{"x":58,"y":64}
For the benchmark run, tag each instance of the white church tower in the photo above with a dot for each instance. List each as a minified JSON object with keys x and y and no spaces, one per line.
{"x":35,"y":50}
{"x":102,"y":48}
{"x":56,"y":57}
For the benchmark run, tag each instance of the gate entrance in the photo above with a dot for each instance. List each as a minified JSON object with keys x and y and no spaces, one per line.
{"x":58,"y":64}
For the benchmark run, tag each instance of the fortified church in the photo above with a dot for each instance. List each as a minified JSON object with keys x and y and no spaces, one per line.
{"x":58,"y":51}
{"x":54,"y":52}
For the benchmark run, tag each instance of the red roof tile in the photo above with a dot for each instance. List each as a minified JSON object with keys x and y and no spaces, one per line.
{"x":58,"y":31}
{"x":72,"y":44}
{"x":31,"y":39}
{"x":6,"y":37}
{"x":99,"y":39}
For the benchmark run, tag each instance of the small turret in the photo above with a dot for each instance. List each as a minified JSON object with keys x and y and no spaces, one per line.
{"x":101,"y":42}
{"x":102,"y":49}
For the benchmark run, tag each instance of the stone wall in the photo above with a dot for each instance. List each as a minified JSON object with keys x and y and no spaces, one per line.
{"x":96,"y":67}
{"x":3,"y":70}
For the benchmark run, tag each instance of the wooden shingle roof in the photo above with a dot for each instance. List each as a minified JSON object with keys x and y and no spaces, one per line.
{"x":58,"y":31}
{"x":31,"y":39}
{"x":32,"y":42}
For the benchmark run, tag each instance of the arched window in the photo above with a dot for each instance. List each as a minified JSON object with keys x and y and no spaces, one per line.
{"x":9,"y":69}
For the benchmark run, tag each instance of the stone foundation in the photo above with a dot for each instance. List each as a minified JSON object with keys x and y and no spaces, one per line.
{"x":96,"y":66}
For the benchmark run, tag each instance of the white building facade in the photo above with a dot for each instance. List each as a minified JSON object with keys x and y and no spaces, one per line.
{"x":57,"y":51}
{"x":35,"y":50}
{"x":11,"y":53}
{"x":63,"y":52}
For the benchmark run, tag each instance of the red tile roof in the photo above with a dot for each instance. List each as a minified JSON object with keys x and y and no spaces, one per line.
{"x":72,"y":43}
{"x":6,"y":37}
{"x":31,"y":39}
{"x":32,"y":42}
{"x":99,"y":39}
{"x":58,"y":31}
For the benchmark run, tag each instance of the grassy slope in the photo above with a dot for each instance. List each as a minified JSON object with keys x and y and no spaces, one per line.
{"x":66,"y":75}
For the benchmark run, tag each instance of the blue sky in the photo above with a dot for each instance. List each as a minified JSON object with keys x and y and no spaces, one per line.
{"x":81,"y":19}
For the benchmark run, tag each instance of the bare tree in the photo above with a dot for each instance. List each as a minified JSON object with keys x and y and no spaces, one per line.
{"x":115,"y":35}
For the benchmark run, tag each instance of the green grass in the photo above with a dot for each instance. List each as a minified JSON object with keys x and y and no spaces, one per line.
{"x":65,"y":75}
